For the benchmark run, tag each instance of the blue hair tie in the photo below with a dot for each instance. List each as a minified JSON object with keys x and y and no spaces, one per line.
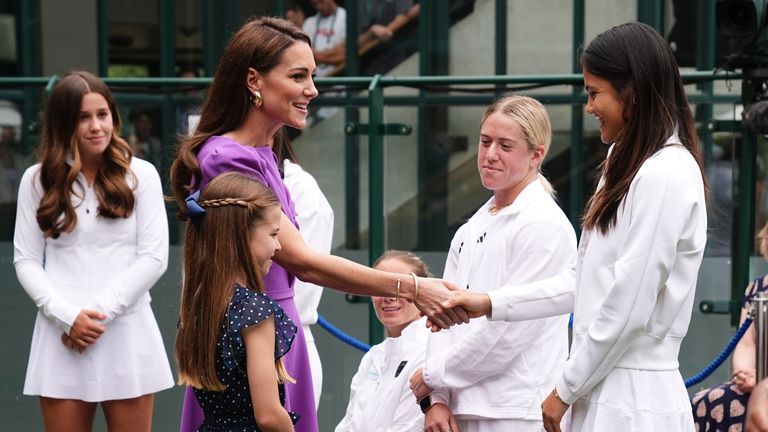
{"x":194,"y":210}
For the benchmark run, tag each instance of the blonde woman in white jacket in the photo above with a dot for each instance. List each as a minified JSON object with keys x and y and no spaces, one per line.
{"x":641,"y":247}
{"x":492,"y":376}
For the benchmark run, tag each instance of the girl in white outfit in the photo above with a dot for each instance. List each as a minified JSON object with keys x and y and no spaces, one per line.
{"x":492,"y":376}
{"x":380,"y":399}
{"x":641,"y":247}
{"x":91,"y":239}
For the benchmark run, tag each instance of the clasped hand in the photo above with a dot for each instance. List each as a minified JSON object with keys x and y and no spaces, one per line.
{"x":433,"y":293}
{"x":470,"y":305}
{"x":84,"y":331}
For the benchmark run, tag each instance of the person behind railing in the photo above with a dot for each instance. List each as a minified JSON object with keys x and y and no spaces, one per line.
{"x":379,"y":21}
{"x":91,"y":239}
{"x":725,"y":406}
{"x":143,"y":143}
{"x":643,"y":239}
{"x":328,"y":31}
{"x":12,"y":164}
{"x":188,"y":113}
{"x":492,"y":376}
{"x":295,"y":13}
{"x":263,"y":82}
{"x":315,"y":218}
{"x":379,"y":398}
{"x":232,"y":335}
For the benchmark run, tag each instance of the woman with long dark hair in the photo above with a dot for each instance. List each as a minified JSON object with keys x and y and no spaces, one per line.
{"x":265,"y":81}
{"x":642,"y":243}
{"x":91,"y":239}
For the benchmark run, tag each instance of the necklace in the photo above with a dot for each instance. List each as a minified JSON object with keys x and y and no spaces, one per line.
{"x":495,"y":209}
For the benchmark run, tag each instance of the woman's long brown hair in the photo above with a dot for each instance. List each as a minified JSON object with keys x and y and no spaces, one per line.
{"x":216,"y":251}
{"x":259,"y":44}
{"x":56,"y":213}
{"x":641,"y":66}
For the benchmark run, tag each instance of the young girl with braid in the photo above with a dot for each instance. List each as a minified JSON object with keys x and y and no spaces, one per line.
{"x":231,"y":335}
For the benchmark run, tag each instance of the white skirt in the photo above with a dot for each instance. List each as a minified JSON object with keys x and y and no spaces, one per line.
{"x":500,"y":425}
{"x":631,"y":400}
{"x":127,"y":361}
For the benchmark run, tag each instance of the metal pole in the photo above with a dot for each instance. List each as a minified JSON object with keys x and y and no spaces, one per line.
{"x":761,"y":320}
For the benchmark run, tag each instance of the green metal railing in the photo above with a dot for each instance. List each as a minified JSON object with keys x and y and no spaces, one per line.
{"x":376,"y":100}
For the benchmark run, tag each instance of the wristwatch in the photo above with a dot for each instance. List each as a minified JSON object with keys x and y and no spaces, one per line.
{"x":425,"y":403}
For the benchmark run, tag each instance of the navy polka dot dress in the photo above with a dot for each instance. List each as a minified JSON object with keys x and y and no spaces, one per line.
{"x":231,"y":410}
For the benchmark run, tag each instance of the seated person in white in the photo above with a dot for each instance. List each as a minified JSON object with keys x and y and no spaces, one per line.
{"x":380,"y":399}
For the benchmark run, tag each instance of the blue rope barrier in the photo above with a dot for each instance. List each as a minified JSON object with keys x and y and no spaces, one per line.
{"x":707,"y":371}
{"x":349,"y":340}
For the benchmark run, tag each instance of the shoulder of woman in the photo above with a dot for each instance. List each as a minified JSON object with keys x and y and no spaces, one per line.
{"x":31,"y":171}
{"x":220,"y":152}
{"x":142,"y":173}
{"x":672,"y":164}
{"x":140,"y":166}
{"x":31,"y":178}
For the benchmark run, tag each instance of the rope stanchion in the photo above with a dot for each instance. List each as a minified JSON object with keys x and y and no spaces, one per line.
{"x":707,"y":371}
{"x":349,"y":340}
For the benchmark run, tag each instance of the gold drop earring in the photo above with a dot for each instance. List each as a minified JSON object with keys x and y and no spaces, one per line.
{"x":255,"y":98}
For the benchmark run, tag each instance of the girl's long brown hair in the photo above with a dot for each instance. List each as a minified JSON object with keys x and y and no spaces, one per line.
{"x":641,"y":66}
{"x":216,"y":251}
{"x":56,"y":213}
{"x":259,"y":44}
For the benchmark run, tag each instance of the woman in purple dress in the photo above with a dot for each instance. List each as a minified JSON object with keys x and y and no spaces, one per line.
{"x":264,"y":81}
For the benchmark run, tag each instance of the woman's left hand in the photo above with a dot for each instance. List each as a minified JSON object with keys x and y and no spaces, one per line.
{"x":418,"y":386}
{"x":552,"y":411}
{"x":70,"y":343}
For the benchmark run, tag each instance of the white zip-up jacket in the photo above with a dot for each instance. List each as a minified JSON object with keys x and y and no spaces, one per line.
{"x":502,"y":370}
{"x":635,"y":286}
{"x":380,"y":399}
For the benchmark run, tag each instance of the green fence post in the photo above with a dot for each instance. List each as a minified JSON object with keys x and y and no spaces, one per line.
{"x":376,"y":187}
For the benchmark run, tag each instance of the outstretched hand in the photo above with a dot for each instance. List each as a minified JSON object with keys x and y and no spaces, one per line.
{"x":432,"y":294}
{"x":473,"y":304}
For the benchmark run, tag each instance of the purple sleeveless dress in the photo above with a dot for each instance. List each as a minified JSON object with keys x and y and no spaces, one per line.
{"x":217,"y":156}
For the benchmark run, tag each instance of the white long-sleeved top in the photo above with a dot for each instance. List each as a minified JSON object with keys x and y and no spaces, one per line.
{"x":380,"y":399}
{"x":315,"y":217}
{"x":103,"y":264}
{"x":635,"y":286}
{"x":501,"y":370}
